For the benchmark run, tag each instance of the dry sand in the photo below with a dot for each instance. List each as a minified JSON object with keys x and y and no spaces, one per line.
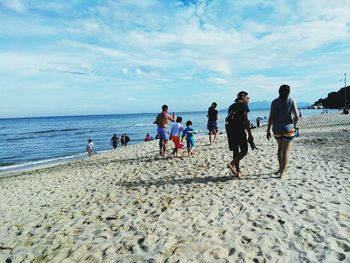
{"x":130,"y":205}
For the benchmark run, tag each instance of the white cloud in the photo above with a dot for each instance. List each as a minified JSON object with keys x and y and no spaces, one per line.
{"x":10,"y":61}
{"x":125,"y":71}
{"x":15,"y":5}
{"x":218,"y":81}
{"x":139,"y":72}
{"x":146,"y":73}
{"x":85,"y":66}
{"x":105,"y":51}
{"x":28,"y":65}
{"x":216,"y":65}
{"x":140,"y":45}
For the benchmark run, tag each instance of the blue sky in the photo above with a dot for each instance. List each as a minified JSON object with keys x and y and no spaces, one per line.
{"x":101,"y":57}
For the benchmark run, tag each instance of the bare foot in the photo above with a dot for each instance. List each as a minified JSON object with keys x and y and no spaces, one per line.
{"x":232,"y":169}
{"x":282,"y":173}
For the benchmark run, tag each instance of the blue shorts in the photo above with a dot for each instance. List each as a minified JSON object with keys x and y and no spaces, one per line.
{"x":287,"y":136}
{"x":163,"y":134}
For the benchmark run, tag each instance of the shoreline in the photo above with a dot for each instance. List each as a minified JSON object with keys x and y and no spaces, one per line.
{"x":43,"y":163}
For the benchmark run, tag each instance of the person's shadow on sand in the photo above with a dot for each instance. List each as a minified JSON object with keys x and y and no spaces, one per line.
{"x":194,"y":180}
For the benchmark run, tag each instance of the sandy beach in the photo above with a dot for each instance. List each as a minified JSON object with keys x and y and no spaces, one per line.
{"x":131,"y":205}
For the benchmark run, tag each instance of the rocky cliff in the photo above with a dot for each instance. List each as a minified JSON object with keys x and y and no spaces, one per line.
{"x":335,"y":100}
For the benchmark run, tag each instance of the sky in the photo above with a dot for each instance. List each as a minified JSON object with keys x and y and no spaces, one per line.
{"x":107,"y":57}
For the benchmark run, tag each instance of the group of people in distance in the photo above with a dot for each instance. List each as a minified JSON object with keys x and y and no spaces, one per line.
{"x":178,"y":132}
{"x":125,"y":139}
{"x":283,"y":119}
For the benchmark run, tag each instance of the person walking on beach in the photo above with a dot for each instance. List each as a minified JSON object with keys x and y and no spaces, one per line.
{"x":162,"y":121}
{"x":89,"y":147}
{"x":175,"y":132}
{"x":114,"y":141}
{"x":127,"y":139}
{"x":190,"y":143}
{"x":237,"y":124}
{"x":283,"y":125}
{"x":212,"y":124}
{"x":258,"y":122}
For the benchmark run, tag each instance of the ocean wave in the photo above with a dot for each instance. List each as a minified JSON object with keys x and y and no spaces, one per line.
{"x":54,"y":130}
{"x":21,"y":166}
{"x":6,"y":164}
{"x":18,"y":139}
{"x":82,"y":132}
{"x":42,"y":132}
{"x":143,"y":124}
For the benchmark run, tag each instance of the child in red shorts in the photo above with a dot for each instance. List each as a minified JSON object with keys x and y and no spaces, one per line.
{"x":175,"y":132}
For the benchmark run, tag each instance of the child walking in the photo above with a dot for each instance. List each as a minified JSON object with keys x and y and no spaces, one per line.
{"x":175,"y":132}
{"x":188,"y":132}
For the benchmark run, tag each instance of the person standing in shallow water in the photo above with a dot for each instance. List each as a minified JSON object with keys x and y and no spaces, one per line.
{"x":114,"y":141}
{"x":125,"y":139}
{"x":237,"y":124}
{"x":212,"y":122}
{"x":258,"y":122}
{"x":283,"y":109}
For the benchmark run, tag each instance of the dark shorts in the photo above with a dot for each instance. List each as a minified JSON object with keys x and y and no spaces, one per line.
{"x":236,"y":138}
{"x":240,"y":146}
{"x":212,"y":126}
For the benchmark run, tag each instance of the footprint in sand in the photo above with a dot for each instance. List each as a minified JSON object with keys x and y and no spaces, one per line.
{"x":281,"y":221}
{"x":232,"y":251}
{"x":344,"y":247}
{"x":245,"y":240}
{"x":270,"y":216}
{"x":340,"y":256}
{"x":311,"y":206}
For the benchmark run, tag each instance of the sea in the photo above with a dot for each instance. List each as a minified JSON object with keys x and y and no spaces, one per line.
{"x":37,"y":141}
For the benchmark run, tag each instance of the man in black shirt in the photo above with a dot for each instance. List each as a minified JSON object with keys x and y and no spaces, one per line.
{"x":114,"y":141}
{"x":212,"y":122}
{"x":237,"y":124}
